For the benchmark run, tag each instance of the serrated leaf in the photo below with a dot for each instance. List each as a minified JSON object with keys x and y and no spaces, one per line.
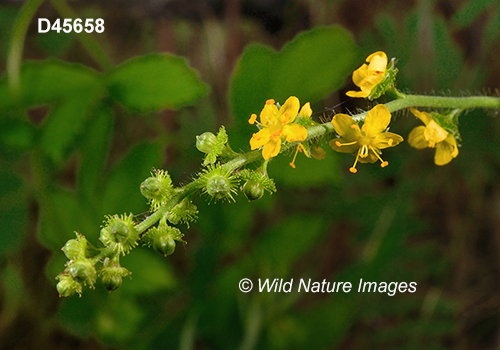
{"x":155,"y":82}
{"x":66,"y":122}
{"x":43,"y":82}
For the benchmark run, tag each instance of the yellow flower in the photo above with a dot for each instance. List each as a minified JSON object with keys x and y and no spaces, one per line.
{"x":369,"y":75}
{"x":434,"y":136}
{"x":277,"y":125}
{"x":368,"y":140}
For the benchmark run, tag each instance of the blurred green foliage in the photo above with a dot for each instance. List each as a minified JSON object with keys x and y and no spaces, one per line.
{"x":76,"y":143}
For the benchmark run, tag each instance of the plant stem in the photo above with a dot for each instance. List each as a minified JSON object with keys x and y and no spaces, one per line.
{"x":17,"y":43}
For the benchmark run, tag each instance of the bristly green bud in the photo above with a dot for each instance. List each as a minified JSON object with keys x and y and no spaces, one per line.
{"x":219,"y":183}
{"x":158,"y":189}
{"x":82,"y":271}
{"x":119,"y":233}
{"x":67,"y":286}
{"x":162,"y":238}
{"x":164,"y":244}
{"x":256,"y":183}
{"x":252,"y":190}
{"x":206,"y":142}
{"x":215,"y":146}
{"x":184,"y":212}
{"x":76,"y":248}
{"x":112,"y":274}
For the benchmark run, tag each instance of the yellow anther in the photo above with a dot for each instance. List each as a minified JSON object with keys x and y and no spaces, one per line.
{"x":252,"y":119}
{"x":384,"y":164}
{"x":270,"y":102}
{"x":338,"y":144}
{"x":390,"y":142}
{"x":353,"y":170}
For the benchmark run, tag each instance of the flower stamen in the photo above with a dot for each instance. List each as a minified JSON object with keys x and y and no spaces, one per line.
{"x":353,"y":168}
{"x":345,"y":144}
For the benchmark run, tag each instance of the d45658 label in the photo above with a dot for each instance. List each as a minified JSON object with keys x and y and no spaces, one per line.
{"x":69,"y":25}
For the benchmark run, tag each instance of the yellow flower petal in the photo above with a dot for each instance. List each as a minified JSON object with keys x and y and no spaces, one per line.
{"x":445,"y":152}
{"x":434,"y":133}
{"x":361,"y":93}
{"x":386,"y":140}
{"x":346,"y":126}
{"x":271,"y":149}
{"x":416,"y":138}
{"x":294,"y":132}
{"x":260,"y":138}
{"x":423,"y":116}
{"x":268,"y":113}
{"x":288,"y":112}
{"x":377,"y":121}
{"x":359,"y":75}
{"x":318,"y":153}
{"x":306,"y":111}
{"x":378,"y":61}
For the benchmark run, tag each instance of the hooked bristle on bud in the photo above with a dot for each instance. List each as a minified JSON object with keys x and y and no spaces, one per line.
{"x":257,"y":182}
{"x":119,"y":233}
{"x":219,"y":183}
{"x":162,"y":238}
{"x":76,"y":248}
{"x":112,"y":274}
{"x":158,"y":189}
{"x":67,"y":286}
{"x":82,"y":271}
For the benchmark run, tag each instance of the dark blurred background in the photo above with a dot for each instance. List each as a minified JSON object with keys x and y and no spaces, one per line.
{"x":409,"y":222}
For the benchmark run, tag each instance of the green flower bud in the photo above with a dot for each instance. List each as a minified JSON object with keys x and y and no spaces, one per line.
{"x":253,"y":190}
{"x":119,"y":233}
{"x":164,"y":244}
{"x":112,"y":282}
{"x":75,"y":248}
{"x":183,"y":212}
{"x":83,"y":271}
{"x":67,"y":286}
{"x":206,"y":142}
{"x":152,"y":188}
{"x":158,"y":188}
{"x":219,"y":186}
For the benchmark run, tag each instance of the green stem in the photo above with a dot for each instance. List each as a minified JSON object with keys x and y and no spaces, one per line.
{"x":17,"y":43}
{"x":86,"y":39}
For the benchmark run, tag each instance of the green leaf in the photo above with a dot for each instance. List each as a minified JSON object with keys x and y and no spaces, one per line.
{"x":122,"y":193}
{"x":279,"y":247}
{"x":150,"y":272}
{"x":309,"y":172}
{"x":94,"y":150}
{"x":155,"y":82}
{"x":13,"y":211}
{"x":310,"y":67}
{"x":49,"y":81}
{"x":66,"y":122}
{"x":63,"y":214}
